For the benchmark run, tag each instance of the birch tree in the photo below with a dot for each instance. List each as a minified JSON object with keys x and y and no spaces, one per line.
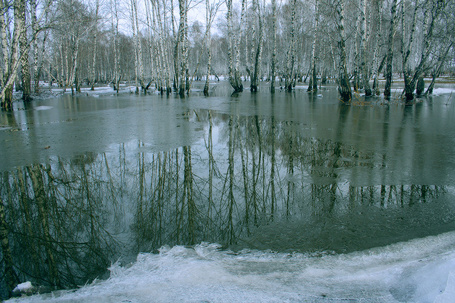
{"x":95,"y":43}
{"x":344,"y":88}
{"x":24,"y":52}
{"x":257,"y":50}
{"x":273,"y":57}
{"x":377,"y":46}
{"x":10,"y":48}
{"x":233,"y":46}
{"x":115,"y":34}
{"x":182,"y":46}
{"x":290,"y":58}
{"x":432,"y":11}
{"x":365,"y":37}
{"x":313,"y":83}
{"x":138,"y":62}
{"x":210,"y":13}
{"x":389,"y":60}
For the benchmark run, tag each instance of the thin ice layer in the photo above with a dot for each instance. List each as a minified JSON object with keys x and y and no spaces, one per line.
{"x":420,"y":270}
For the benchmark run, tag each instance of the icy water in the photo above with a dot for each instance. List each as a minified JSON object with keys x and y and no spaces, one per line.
{"x":248,"y":198}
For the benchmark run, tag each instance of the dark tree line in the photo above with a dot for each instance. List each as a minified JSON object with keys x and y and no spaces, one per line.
{"x":71,"y":43}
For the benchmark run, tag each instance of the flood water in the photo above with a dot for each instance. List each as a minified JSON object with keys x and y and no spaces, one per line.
{"x":90,"y":180}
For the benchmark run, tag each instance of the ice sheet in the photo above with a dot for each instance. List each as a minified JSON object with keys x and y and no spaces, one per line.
{"x":421,"y":270}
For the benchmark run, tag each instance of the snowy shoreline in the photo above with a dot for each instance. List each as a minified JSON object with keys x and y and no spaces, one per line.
{"x":420,"y":270}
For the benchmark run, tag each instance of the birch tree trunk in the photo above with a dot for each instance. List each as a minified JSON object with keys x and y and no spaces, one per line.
{"x":183,"y":43}
{"x":365,"y":38}
{"x":290,"y":60}
{"x":136,"y":44}
{"x":95,"y":42}
{"x":389,"y":60}
{"x":432,"y":12}
{"x":11,"y":59}
{"x":210,"y":13}
{"x":258,"y":52}
{"x":377,"y":49}
{"x":344,"y":88}
{"x":313,"y":83}
{"x":233,"y":48}
{"x":33,"y":7}
{"x":23,"y":43}
{"x":115,"y":31}
{"x":406,"y":50}
{"x":73,"y":78}
{"x":273,"y":63}
{"x":208,"y":41}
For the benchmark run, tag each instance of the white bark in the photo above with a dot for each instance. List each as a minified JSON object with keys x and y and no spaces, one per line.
{"x":95,"y":42}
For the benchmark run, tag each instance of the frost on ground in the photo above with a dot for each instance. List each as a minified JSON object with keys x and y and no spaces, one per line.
{"x":421,"y":270}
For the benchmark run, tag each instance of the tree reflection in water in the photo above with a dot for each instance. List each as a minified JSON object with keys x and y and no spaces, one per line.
{"x":64,"y":222}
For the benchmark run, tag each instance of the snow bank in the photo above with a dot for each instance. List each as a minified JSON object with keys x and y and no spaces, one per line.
{"x":102,"y":90}
{"x":421,"y":270}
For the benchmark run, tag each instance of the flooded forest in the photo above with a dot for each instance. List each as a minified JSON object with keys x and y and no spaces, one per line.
{"x":166,"y":45}
{"x":322,"y":128}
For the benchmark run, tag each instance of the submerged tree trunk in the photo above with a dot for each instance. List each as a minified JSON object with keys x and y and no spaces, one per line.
{"x":210,"y":12}
{"x":11,"y":59}
{"x":344,"y":88}
{"x":377,"y":49}
{"x":95,"y":37}
{"x":406,"y":50}
{"x":430,"y":16}
{"x":273,"y":63}
{"x":233,"y":48}
{"x":208,"y":41}
{"x":363,"y":65}
{"x":290,"y":60}
{"x":389,"y":60}
{"x":115,"y":32}
{"x":258,"y":52}
{"x":139,"y":67}
{"x":313,"y":83}
{"x":23,"y":43}
{"x":183,"y":76}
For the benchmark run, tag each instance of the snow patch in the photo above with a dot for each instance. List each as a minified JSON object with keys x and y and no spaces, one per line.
{"x":23,"y":287}
{"x":43,"y":107}
{"x":442,"y":91}
{"x":421,"y":270}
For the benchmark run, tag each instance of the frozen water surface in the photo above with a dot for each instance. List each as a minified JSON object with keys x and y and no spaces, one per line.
{"x":310,"y":200}
{"x":419,"y":270}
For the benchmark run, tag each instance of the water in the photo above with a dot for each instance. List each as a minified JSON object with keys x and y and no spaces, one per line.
{"x":303,"y":194}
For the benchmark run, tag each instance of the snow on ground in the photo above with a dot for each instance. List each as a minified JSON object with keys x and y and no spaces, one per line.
{"x":421,"y":270}
{"x":102,"y":90}
{"x":443,"y":90}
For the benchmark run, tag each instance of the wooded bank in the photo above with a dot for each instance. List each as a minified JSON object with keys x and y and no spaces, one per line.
{"x":166,"y":44}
